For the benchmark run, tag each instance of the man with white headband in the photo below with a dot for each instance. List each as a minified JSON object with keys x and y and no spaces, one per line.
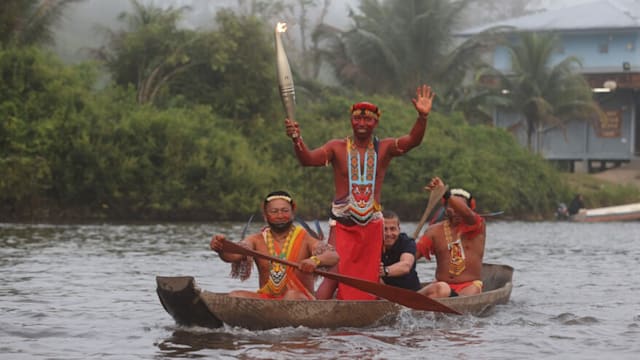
{"x":457,"y":243}
{"x":280,"y":238}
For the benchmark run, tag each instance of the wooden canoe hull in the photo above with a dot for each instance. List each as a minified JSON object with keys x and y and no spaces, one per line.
{"x":191,"y":306}
{"x":627,"y":212}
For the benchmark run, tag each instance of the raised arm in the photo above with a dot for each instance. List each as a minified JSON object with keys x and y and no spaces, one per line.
{"x":422,"y":103}
{"x":457,"y":203}
{"x":321,"y":156}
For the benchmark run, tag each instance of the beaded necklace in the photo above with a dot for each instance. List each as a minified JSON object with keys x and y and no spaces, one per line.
{"x":277,"y":271}
{"x":456,"y":251}
{"x":362,"y":181}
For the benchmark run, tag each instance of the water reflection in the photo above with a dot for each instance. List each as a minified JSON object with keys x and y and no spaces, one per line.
{"x":185,"y":341}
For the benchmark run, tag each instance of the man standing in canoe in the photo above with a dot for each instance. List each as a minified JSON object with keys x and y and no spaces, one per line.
{"x":281,"y":238}
{"x":458,"y":244}
{"x":359,"y":165}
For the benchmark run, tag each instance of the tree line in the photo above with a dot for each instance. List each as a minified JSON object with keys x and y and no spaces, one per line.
{"x":187,"y":124}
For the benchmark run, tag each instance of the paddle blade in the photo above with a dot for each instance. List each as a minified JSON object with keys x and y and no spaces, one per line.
{"x":408,"y":298}
{"x":434,"y":199}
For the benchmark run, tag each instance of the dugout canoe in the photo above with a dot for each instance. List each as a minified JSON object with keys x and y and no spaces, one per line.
{"x":627,"y":212}
{"x":191,"y":306}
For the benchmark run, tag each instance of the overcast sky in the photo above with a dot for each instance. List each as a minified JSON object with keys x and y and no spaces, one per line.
{"x":79,"y":28}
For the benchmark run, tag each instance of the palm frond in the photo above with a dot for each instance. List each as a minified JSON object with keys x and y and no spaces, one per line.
{"x":33,"y":21}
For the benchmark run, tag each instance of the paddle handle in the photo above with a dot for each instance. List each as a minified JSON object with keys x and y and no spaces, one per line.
{"x":434,"y":199}
{"x":232,"y":247}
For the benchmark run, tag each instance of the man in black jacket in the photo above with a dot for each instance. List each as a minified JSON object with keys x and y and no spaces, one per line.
{"x":398,"y":266}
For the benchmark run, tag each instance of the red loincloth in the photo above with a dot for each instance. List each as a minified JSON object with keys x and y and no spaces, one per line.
{"x":463,"y":285}
{"x":360,"y":250}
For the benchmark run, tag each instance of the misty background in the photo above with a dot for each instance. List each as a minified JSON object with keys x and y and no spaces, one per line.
{"x":175,"y":114}
{"x":83,"y":24}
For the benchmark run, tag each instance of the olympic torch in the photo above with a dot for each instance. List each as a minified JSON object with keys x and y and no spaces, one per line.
{"x":285,"y":79}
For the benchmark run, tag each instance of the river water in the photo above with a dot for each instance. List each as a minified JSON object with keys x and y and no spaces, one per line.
{"x":88,"y":292}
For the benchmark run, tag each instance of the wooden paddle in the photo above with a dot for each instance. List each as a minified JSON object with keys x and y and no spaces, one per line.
{"x":408,"y":298}
{"x":434,"y":199}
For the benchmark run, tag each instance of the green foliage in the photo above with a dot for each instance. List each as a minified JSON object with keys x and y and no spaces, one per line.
{"x":242,"y":89}
{"x":395,"y":45}
{"x":151,"y":51}
{"x":23,"y":178}
{"x":30,"y":22}
{"x":178,"y":163}
{"x":101,"y":154}
{"x":599,"y":193}
{"x":41,"y":104}
{"x":213,"y":143}
{"x":101,"y":151}
{"x":230,"y":68}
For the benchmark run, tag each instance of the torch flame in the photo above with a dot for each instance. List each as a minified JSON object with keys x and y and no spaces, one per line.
{"x":281,"y":27}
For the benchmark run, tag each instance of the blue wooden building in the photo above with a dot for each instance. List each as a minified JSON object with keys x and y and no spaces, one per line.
{"x":605,"y":36}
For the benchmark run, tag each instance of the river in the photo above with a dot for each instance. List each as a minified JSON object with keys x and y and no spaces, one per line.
{"x":88,"y":292}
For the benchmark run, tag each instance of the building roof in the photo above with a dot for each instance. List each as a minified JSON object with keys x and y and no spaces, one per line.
{"x":595,"y":15}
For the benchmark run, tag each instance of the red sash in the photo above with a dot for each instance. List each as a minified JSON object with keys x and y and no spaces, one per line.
{"x":271,"y":289}
{"x":360,"y":250}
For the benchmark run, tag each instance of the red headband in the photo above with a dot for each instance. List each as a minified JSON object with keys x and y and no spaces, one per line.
{"x":365,"y":109}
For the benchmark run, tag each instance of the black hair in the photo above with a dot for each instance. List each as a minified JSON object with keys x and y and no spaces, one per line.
{"x":388,"y":214}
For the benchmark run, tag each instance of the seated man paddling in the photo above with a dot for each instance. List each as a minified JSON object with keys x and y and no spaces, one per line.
{"x":281,"y":238}
{"x":398,"y":266}
{"x":458,"y":244}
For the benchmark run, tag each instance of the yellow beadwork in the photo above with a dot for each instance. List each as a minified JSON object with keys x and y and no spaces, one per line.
{"x":456,"y":252}
{"x":278,"y":272}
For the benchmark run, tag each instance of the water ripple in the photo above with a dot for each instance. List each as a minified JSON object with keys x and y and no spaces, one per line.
{"x":88,"y":292}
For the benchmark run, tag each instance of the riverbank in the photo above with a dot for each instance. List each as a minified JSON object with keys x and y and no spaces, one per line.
{"x":626,"y":174}
{"x":617,"y":186}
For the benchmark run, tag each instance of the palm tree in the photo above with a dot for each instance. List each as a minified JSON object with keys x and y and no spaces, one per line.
{"x":394,"y":45}
{"x":546,"y":94}
{"x":30,"y":22}
{"x":151,"y":50}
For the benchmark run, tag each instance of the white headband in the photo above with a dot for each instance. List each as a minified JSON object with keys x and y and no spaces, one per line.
{"x":282,"y":197}
{"x":460,"y":192}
